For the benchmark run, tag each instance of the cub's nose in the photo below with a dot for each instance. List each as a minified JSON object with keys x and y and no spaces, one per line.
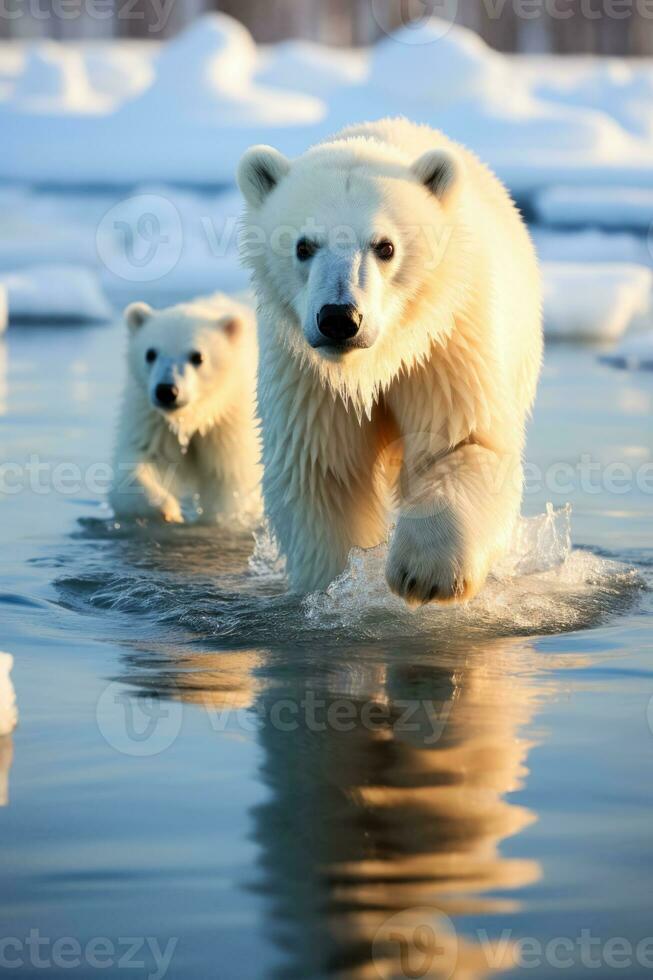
{"x":166,"y":395}
{"x":339,"y":322}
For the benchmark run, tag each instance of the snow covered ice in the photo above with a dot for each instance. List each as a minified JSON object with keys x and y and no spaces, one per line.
{"x":125,"y":121}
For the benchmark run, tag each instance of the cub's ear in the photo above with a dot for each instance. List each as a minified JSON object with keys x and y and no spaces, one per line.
{"x":230,"y":324}
{"x":136,"y":314}
{"x":259,"y":171}
{"x":439,"y":171}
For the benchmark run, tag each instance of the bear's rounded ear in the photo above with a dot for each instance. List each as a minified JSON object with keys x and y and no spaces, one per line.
{"x":439,"y":171}
{"x":259,"y":171}
{"x":136,"y":314}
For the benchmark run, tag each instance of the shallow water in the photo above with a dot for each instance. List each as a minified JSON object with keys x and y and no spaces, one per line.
{"x":250,"y":785}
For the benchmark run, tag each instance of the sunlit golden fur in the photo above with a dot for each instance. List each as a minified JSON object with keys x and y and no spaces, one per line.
{"x":209,"y":444}
{"x":453,"y":359}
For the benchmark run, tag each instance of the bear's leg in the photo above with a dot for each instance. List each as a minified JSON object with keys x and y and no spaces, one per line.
{"x":316,"y":529}
{"x":142,"y":489}
{"x":455,"y":518}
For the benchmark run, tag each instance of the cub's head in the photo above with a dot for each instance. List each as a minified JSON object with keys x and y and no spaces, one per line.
{"x":348,"y":240}
{"x":183,"y":357}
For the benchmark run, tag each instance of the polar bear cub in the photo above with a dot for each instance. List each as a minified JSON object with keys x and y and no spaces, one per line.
{"x":188,"y":420}
{"x":400,"y":336}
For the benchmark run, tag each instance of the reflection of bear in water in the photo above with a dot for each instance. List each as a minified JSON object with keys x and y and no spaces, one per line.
{"x":364,"y":824}
{"x":387,"y":800}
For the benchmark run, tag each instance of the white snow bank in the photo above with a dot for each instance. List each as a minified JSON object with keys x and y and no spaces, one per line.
{"x":623,"y":89}
{"x":75,"y":115}
{"x":318,"y":69}
{"x":8,"y":709}
{"x":592,"y":301}
{"x":54,"y":80}
{"x":635,"y":353}
{"x":55,"y":292}
{"x":605,"y":207}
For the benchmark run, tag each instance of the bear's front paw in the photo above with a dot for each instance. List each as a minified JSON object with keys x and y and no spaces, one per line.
{"x":429,"y":562}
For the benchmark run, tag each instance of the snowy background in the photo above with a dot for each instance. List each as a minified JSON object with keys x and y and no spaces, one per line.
{"x":116,"y":176}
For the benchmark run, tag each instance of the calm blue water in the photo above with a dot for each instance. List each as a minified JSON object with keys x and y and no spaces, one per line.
{"x":210,"y":779}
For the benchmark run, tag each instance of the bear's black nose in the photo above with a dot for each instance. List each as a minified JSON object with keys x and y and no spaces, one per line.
{"x":166,"y":395}
{"x":339,"y":322}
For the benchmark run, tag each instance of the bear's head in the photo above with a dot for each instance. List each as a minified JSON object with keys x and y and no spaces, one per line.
{"x":349,"y":244}
{"x":182,"y":357}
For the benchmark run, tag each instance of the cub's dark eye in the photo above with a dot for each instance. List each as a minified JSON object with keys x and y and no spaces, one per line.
{"x":196,"y":358}
{"x":150,"y":355}
{"x":384,"y":250}
{"x":305,"y":249}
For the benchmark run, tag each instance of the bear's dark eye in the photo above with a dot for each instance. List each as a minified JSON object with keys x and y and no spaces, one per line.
{"x":305,"y":249}
{"x":150,"y":355}
{"x":196,"y":358}
{"x":384,"y":250}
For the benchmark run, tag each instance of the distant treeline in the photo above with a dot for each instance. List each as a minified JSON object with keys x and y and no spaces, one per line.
{"x":615,"y":27}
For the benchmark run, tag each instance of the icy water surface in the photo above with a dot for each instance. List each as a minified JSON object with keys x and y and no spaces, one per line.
{"x":213,"y":779}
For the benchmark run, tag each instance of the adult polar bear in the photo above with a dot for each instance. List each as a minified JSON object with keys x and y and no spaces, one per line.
{"x":400,"y":345}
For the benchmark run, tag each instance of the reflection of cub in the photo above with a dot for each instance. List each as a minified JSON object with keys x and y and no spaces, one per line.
{"x":188,"y":415}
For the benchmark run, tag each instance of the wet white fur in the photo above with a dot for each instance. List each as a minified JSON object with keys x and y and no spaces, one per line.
{"x":209,"y":446}
{"x":431,"y":416}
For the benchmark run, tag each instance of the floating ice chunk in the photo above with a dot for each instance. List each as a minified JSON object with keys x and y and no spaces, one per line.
{"x":600,"y":206}
{"x":594,"y":301}
{"x":59,"y":293}
{"x":8,"y":709}
{"x":590,"y":245}
{"x":635,"y":353}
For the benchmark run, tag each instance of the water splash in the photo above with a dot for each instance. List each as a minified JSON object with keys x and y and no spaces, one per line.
{"x":206,"y":583}
{"x":266,"y":561}
{"x":543,"y":585}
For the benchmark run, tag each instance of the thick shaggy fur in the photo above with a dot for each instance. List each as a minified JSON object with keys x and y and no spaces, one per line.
{"x":429,"y":415}
{"x":208,"y":442}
